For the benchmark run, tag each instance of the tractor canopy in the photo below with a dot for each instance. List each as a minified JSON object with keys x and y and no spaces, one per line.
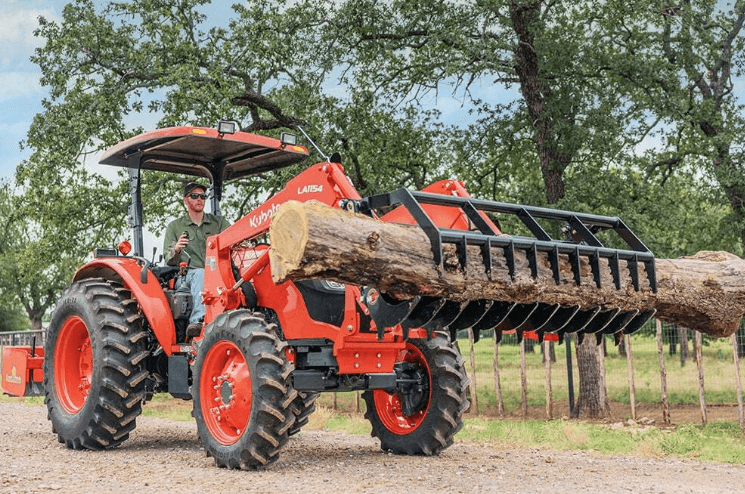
{"x":204,"y":152}
{"x":220,"y":155}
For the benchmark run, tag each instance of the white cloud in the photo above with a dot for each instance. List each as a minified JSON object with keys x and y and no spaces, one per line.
{"x":18,"y":85}
{"x":17,"y":33}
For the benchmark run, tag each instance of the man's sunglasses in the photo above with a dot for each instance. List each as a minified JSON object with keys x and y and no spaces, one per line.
{"x":198,"y":196}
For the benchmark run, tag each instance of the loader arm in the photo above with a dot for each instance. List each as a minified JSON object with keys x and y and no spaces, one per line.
{"x":327,"y":183}
{"x":323,"y":182}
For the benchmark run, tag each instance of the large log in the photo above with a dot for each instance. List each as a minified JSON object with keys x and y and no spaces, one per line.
{"x":705,"y":292}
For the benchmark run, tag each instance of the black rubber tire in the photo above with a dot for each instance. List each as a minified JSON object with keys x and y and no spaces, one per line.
{"x":442,"y":417}
{"x":270,"y":416}
{"x":303,"y":406}
{"x":117,"y":383}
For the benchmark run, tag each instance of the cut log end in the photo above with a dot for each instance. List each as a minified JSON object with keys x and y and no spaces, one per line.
{"x":293,"y":237}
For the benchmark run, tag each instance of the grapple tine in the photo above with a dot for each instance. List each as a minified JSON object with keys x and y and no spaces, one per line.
{"x":448,"y":313}
{"x":599,"y":338}
{"x":618,"y":337}
{"x":637,"y":322}
{"x":518,"y":316}
{"x":471,"y":314}
{"x":496,"y":314}
{"x":580,"y":320}
{"x":560,"y":319}
{"x":541,"y":316}
{"x":498,"y":335}
{"x":600,"y":321}
{"x":423,"y":312}
{"x":620,"y":321}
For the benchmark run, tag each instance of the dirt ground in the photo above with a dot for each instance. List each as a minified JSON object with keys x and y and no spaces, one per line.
{"x":164,"y":456}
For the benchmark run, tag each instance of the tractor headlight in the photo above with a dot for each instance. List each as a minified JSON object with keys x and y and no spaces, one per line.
{"x":226,"y":127}
{"x":288,"y":139}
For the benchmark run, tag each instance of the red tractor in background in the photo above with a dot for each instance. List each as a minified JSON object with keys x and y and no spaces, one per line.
{"x":118,"y":333}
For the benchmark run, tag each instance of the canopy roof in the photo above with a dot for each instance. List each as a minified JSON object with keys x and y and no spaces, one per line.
{"x":203,"y":152}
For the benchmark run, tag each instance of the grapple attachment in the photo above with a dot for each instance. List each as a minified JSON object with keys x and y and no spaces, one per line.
{"x":450,"y":216}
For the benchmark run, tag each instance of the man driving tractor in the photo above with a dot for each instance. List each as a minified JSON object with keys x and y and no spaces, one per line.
{"x":186,"y":241}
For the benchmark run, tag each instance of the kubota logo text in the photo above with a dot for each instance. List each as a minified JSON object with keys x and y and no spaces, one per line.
{"x":13,"y":377}
{"x":260,"y":218}
{"x":310,"y":189}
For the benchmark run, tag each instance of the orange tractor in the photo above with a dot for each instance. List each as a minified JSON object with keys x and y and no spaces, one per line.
{"x":118,"y":333}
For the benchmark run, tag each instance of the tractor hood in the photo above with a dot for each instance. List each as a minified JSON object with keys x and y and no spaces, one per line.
{"x":204,"y":152}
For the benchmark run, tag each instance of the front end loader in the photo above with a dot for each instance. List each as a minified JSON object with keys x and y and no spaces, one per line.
{"x":266,"y":349}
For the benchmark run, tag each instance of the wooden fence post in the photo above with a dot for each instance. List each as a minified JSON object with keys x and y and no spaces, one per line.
{"x":632,"y":387}
{"x":497,"y":383}
{"x":698,"y":341}
{"x":547,"y":367}
{"x":663,"y":375}
{"x":523,"y":380}
{"x":474,"y":395}
{"x":738,"y":381}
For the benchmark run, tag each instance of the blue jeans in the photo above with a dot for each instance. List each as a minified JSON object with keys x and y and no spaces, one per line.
{"x":195,"y":281}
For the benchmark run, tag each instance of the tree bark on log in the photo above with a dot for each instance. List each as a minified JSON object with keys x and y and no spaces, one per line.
{"x":705,"y":292}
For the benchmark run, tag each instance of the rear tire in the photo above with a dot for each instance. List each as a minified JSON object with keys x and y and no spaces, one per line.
{"x":242,"y":393}
{"x":438,"y":416}
{"x":94,"y":380}
{"x":303,"y":406}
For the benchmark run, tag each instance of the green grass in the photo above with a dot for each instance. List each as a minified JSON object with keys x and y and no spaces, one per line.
{"x":720,"y":441}
{"x":682,"y":381}
{"x":687,"y":441}
{"x":700,"y":442}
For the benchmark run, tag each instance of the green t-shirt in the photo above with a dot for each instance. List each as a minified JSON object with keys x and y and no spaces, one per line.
{"x":198,"y":234}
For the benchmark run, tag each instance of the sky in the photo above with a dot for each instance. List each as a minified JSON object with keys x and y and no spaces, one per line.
{"x":20,"y":91}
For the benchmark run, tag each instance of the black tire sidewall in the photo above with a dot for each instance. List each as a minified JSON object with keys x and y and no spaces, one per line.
{"x":240,"y":454}
{"x":422,"y":440}
{"x":118,"y":346}
{"x":73,"y":303}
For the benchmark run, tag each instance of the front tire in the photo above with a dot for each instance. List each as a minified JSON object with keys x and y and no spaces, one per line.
{"x":94,"y":380}
{"x":432,"y":414}
{"x":242,"y":393}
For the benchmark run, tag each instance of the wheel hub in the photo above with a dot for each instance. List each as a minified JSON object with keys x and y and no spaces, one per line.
{"x":225,"y":394}
{"x":413,"y":391}
{"x":73,"y":368}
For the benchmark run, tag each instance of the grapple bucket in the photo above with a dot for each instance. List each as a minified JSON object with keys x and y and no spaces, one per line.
{"x":450,"y":216}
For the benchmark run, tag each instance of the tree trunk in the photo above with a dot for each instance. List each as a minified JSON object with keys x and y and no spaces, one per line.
{"x":310,"y":240}
{"x":593,"y":400}
{"x":35,"y":317}
{"x":683,"y":338}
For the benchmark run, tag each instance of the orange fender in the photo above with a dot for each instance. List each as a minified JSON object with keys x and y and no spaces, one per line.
{"x":149,"y":296}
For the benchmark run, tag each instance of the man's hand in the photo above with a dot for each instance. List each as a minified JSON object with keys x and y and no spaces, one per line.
{"x":181,"y":243}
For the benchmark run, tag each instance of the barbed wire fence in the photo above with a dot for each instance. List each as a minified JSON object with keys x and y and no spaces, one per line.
{"x":660,"y":367}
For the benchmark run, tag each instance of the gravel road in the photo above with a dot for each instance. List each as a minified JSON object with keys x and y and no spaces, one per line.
{"x":164,"y":456}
